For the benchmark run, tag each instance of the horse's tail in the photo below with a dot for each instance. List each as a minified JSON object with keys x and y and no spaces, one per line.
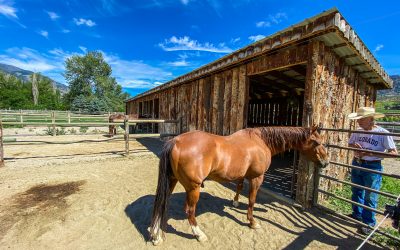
{"x":159,"y":217}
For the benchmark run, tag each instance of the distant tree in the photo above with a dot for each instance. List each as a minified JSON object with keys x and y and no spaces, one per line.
{"x":18,"y":94}
{"x":90,"y":81}
{"x":14,"y":93}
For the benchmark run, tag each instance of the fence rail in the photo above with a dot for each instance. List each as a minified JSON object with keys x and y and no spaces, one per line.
{"x":320,"y":176}
{"x":54,"y":124}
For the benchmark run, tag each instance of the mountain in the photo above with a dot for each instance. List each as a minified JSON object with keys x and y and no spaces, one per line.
{"x":394,"y":92}
{"x":25,"y":76}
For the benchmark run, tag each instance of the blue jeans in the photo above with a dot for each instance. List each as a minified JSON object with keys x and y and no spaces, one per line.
{"x":365,"y":197}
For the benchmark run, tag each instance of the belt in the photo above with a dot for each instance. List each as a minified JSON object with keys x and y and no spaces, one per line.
{"x":365,"y":161}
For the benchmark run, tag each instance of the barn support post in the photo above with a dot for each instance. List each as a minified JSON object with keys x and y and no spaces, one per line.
{"x":126,"y":135}
{"x":1,"y":144}
{"x":307,"y":170}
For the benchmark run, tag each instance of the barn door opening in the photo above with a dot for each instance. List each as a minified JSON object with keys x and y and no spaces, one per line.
{"x":276,"y":99}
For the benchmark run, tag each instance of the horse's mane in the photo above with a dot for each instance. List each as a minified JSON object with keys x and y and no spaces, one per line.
{"x":282,"y":138}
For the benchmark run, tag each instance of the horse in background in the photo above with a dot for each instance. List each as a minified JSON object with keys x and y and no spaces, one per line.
{"x":112,"y":129}
{"x":192,"y":157}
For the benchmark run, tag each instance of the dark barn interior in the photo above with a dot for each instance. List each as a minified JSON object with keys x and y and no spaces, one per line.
{"x":276,"y":99}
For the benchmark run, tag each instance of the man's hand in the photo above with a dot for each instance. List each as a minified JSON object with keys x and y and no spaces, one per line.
{"x":358,"y":154}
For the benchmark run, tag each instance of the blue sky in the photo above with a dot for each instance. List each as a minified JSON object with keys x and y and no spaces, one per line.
{"x":150,"y":42}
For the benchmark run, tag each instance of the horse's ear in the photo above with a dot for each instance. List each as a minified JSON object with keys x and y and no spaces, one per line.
{"x":314,"y":128}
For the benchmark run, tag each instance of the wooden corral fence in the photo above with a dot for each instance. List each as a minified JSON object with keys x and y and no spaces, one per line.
{"x":126,"y":123}
{"x":323,"y":192}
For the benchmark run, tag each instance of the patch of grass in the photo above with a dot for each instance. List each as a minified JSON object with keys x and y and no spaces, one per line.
{"x":389,"y":185}
{"x":381,"y":239}
{"x":72,"y":131}
{"x":83,"y":130}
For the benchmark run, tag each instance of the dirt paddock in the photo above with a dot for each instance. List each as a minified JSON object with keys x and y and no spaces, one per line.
{"x":88,"y":196}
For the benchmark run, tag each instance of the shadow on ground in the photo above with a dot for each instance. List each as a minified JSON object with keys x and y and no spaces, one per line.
{"x":320,"y":227}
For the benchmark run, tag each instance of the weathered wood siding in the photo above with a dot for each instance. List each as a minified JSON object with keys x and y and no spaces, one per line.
{"x":333,"y":89}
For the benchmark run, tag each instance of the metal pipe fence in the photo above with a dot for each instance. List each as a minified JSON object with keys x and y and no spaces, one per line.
{"x":318,"y":190}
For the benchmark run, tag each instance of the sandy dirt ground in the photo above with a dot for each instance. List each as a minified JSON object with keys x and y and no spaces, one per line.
{"x":88,"y":195}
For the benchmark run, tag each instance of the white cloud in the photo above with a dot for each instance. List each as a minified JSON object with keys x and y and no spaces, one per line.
{"x":181,"y":62}
{"x":263,"y":24}
{"x":256,"y":38}
{"x":84,"y":49}
{"x":65,"y":31}
{"x":128,"y":73}
{"x":272,"y":19}
{"x":136,"y":74}
{"x":185,"y":43}
{"x":378,"y":48}
{"x":53,"y":15}
{"x":7,"y":9}
{"x":185,"y":2}
{"x":82,"y":21}
{"x":29,"y":59}
{"x":235,"y":40}
{"x":44,"y":33}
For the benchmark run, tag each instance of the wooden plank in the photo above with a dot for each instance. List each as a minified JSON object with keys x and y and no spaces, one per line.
{"x":221,"y":100}
{"x":193,"y":106}
{"x":214,"y":117}
{"x":227,"y":102}
{"x":242,"y":98}
{"x":200,"y":105}
{"x":279,"y":60}
{"x":208,"y":100}
{"x":234,"y":100}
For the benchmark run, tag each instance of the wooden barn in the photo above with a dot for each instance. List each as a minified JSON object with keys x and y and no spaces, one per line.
{"x":316,"y":71}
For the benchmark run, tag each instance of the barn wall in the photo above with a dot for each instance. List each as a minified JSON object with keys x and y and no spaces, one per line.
{"x":217,"y":103}
{"x":333,"y":90}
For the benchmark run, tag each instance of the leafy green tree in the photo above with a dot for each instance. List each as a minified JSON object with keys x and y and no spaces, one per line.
{"x":14,"y":93}
{"x":17,"y":94}
{"x":91,"y":84}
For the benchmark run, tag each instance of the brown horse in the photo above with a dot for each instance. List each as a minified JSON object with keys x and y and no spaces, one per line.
{"x":192,"y":157}
{"x":112,"y":130}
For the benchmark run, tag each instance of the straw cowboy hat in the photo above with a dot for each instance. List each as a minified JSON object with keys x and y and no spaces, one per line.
{"x":365,"y":112}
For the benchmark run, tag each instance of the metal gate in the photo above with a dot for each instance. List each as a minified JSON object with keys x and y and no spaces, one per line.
{"x":327,"y":194}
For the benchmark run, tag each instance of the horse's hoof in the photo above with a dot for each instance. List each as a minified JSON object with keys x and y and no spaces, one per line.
{"x":236,"y":203}
{"x":255,"y":226}
{"x":201,"y":237}
{"x":157,"y":241}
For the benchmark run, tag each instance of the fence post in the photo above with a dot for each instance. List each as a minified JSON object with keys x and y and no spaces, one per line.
{"x":53,"y":121}
{"x":1,"y":144}
{"x":21,"y":119}
{"x":69,"y":117}
{"x":126,"y":136}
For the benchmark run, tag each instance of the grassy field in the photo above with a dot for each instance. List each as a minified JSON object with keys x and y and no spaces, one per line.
{"x":389,"y":185}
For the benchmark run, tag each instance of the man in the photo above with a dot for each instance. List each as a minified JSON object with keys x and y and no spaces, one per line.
{"x":365,"y":117}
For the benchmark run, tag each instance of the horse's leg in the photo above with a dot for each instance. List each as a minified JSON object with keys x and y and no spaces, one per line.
{"x":192,"y":197}
{"x":239,"y":188}
{"x":172,"y":183}
{"x":255,"y":184}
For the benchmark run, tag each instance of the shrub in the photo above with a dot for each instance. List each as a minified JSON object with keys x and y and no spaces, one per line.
{"x":83,"y":130}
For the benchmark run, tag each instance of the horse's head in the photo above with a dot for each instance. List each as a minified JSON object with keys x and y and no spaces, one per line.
{"x":314,"y":150}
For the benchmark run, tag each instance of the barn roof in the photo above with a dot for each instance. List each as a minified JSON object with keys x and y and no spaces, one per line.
{"x":329,"y":27}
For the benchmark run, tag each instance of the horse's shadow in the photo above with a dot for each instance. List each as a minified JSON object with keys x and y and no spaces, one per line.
{"x":140,"y":211}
